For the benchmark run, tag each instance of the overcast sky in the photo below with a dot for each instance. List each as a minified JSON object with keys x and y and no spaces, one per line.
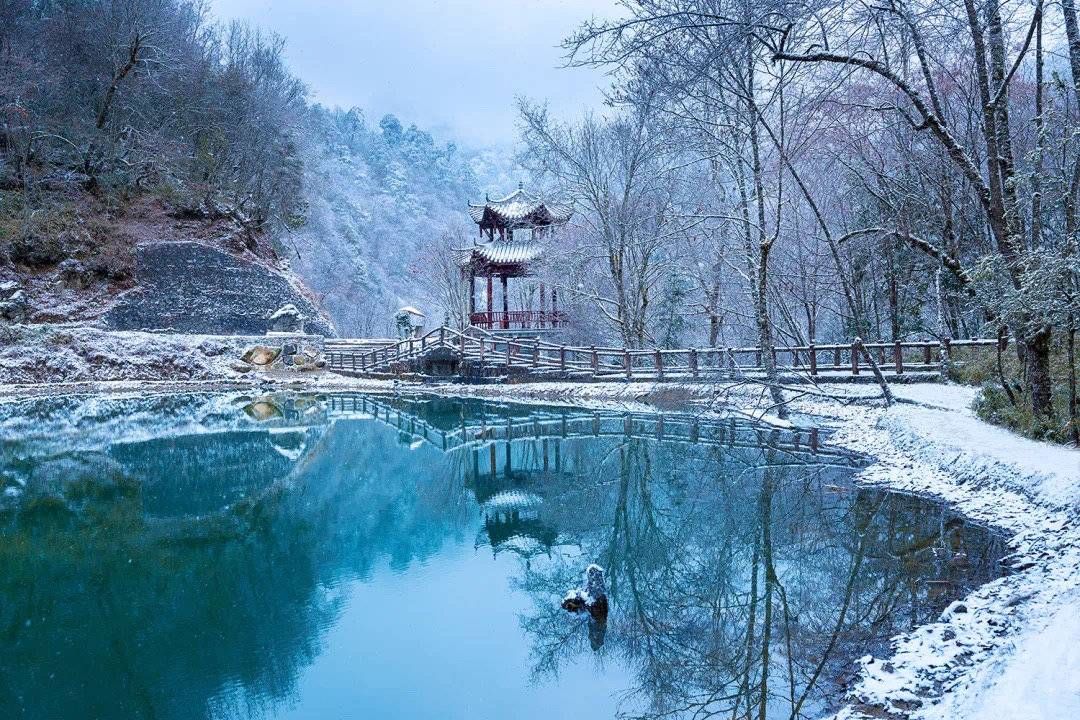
{"x":453,"y":67}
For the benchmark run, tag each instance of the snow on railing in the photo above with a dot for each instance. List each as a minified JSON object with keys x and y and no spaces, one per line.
{"x":538,"y":355}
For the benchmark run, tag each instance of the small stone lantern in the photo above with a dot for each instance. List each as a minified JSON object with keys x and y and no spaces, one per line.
{"x":409,"y":322}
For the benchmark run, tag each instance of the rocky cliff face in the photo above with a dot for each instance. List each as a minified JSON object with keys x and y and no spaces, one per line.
{"x":189,"y":287}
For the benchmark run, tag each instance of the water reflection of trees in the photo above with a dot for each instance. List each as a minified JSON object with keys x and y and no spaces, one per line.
{"x":108,"y":610}
{"x":739,"y":580}
{"x":748,"y":595}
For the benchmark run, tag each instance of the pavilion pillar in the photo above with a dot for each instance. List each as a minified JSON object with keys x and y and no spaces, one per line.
{"x":506,"y":304}
{"x":490,"y":297}
{"x":543,"y":304}
{"x":472,"y":293}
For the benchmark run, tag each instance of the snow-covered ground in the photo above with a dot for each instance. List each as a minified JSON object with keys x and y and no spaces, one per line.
{"x":44,"y":359}
{"x":1009,"y":650}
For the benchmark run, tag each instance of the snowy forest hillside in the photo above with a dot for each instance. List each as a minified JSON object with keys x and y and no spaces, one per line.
{"x":124,"y":124}
{"x":380,"y":200}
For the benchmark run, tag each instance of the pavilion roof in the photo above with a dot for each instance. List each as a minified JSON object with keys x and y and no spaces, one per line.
{"x":508,"y":252}
{"x":519,"y":209}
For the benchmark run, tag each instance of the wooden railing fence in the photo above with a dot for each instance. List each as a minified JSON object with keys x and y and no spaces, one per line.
{"x":540,"y":356}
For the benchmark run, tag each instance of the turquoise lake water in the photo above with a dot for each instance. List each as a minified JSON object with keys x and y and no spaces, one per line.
{"x":299,"y":556}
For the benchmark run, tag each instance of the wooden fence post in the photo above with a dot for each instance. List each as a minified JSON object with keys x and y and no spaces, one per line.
{"x":508,"y":352}
{"x":855,"y":358}
{"x":562,"y":357}
{"x":659,"y":365}
{"x":813,"y":360}
{"x":627,"y":363}
{"x":442,"y":335}
{"x":836,"y":357}
{"x":926,"y":354}
{"x":536,"y":353}
{"x":898,"y":357}
{"x":595,"y":360}
{"x":693,"y":362}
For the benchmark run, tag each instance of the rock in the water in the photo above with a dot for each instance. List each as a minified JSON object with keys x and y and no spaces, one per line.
{"x":595,"y":585}
{"x":263,"y":409}
{"x":193,"y":288}
{"x":592,"y":598}
{"x":576,"y":600}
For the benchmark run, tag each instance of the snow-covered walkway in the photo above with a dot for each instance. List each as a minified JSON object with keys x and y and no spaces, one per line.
{"x":1011,"y":650}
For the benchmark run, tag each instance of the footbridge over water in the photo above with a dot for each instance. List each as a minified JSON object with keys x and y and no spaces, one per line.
{"x":477,"y":354}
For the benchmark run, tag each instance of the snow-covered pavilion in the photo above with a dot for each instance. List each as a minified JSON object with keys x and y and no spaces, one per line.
{"x":513,"y":231}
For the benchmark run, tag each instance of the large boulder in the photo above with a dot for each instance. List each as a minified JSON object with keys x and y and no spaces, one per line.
{"x":13,"y":305}
{"x":261,"y":355}
{"x":288,"y":320}
{"x":188,"y":287}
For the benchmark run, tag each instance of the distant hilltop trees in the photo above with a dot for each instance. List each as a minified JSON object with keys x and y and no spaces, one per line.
{"x":148,"y":94}
{"x":105,"y":104}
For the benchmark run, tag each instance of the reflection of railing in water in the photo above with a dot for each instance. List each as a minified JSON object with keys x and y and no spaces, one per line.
{"x":727,"y":432}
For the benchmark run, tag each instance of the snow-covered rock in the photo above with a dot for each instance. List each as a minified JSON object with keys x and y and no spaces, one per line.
{"x":13,"y":303}
{"x":187,"y":287}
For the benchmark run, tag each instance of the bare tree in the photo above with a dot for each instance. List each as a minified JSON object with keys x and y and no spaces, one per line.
{"x":615,"y":171}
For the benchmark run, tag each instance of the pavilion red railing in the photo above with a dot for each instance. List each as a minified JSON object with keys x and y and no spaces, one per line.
{"x":518,"y":320}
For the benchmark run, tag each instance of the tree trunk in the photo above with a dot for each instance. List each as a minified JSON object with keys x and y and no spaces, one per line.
{"x":1000,"y":347}
{"x":761,"y":291}
{"x":1074,"y":423}
{"x":1037,"y":353}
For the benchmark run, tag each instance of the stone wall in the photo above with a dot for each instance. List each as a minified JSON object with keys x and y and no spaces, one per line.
{"x":187,"y":287}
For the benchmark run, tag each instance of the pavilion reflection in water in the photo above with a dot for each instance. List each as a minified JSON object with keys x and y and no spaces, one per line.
{"x":513,"y":455}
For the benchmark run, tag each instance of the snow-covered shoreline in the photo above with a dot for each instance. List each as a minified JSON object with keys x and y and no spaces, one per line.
{"x":1008,"y":650}
{"x":975,"y":661}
